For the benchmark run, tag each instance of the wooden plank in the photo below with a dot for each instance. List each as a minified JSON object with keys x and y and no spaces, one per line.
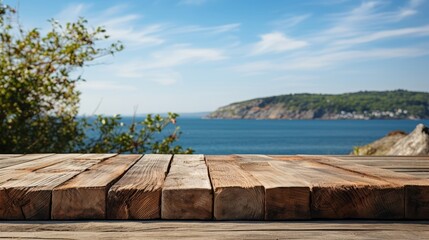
{"x":96,"y":156}
{"x":69,"y":165}
{"x":28,"y":196}
{"x":224,"y":230}
{"x":287,"y":195}
{"x":40,"y":163}
{"x":7,"y":156}
{"x":25,"y":167}
{"x":419,"y":174}
{"x":187,"y":192}
{"x":380,"y":158}
{"x":237,"y":194}
{"x":393,"y":164}
{"x":340,"y":194}
{"x":4,"y":163}
{"x":84,"y":196}
{"x":409,"y":169}
{"x":137,"y":195}
{"x":373,"y":172}
{"x":416,"y":192}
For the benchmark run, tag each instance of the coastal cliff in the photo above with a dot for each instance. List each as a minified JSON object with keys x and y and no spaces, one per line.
{"x":398,"y":104}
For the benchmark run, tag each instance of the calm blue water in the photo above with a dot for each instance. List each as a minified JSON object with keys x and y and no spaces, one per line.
{"x":285,"y":136}
{"x":209,"y":136}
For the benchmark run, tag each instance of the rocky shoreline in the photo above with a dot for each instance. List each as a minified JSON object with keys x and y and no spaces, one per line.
{"x":398,"y":143}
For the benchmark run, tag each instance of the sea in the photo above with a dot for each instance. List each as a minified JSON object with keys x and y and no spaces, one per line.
{"x":220,"y":136}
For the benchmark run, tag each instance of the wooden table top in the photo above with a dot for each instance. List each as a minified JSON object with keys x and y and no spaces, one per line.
{"x":212,"y":187}
{"x":224,"y":230}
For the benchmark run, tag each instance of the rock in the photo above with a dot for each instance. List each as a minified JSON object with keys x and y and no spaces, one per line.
{"x":399,"y":143}
{"x":416,"y":143}
{"x":381,"y":146}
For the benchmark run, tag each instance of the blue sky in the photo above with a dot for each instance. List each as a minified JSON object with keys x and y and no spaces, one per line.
{"x":197,"y":55}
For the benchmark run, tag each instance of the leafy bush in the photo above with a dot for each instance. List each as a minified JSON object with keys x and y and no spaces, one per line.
{"x":110,"y":134}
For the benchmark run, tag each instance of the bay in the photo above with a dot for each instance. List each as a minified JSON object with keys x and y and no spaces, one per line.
{"x":219,"y":136}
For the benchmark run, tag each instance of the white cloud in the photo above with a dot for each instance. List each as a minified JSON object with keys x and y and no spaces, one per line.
{"x":369,"y":15}
{"x":119,"y":21}
{"x":119,"y":26}
{"x":165,"y":77}
{"x":145,"y":36}
{"x":340,"y":42}
{"x":212,"y":30}
{"x":72,"y":12}
{"x":410,"y":9}
{"x":290,"y":21}
{"x":183,"y":55}
{"x":124,"y":28}
{"x":403,"y":32}
{"x":105,"y":86}
{"x":276,"y":42}
{"x":160,"y":66}
{"x":329,"y":59}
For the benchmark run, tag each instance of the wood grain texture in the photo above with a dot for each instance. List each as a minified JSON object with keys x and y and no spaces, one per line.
{"x":380,"y":158}
{"x":37,"y":162}
{"x":11,"y":161}
{"x":96,"y":156}
{"x":215,"y":230}
{"x":28,"y":196}
{"x":287,"y":195}
{"x":224,"y":230}
{"x":245,"y":187}
{"x":341,"y":194}
{"x":187,"y":192}
{"x":137,"y":195}
{"x":237,"y":194}
{"x":84,"y":196}
{"x":8,"y":156}
{"x":416,"y":190}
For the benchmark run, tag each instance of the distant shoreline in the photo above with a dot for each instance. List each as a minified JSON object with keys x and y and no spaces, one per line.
{"x":366,"y":105}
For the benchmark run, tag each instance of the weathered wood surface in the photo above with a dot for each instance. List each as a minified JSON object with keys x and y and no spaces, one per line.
{"x":187,"y":192}
{"x":84,"y":196}
{"x":287,"y":194}
{"x":354,"y":230}
{"x":223,"y":187}
{"x":10,"y":160}
{"x":137,"y":195}
{"x":28,"y":196}
{"x":237,"y":194}
{"x":416,"y":190}
{"x":413,"y":165}
{"x":341,"y":194}
{"x":32,"y":163}
{"x":6,"y":156}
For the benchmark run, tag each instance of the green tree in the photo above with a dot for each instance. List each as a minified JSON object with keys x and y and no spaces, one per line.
{"x":38,"y":96}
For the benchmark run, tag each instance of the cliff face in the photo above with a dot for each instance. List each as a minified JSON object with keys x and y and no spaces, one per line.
{"x":258,"y":110}
{"x":398,"y":104}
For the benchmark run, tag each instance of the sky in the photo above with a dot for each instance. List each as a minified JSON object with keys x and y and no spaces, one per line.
{"x":198,"y":55}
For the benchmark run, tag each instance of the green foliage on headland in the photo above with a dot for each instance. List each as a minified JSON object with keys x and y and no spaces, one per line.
{"x":398,"y":104}
{"x":39,"y":101}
